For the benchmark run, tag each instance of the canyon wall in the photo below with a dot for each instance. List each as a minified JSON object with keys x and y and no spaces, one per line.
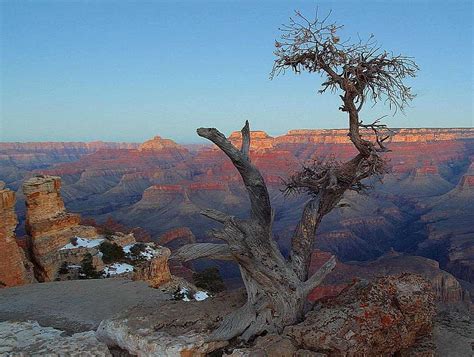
{"x":49,"y":226}
{"x":160,"y":186}
{"x":13,"y":264}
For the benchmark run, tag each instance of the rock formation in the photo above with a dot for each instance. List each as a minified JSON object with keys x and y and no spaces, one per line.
{"x":12,"y":258}
{"x":158,"y":143}
{"x":173,"y":328}
{"x":446,"y":287}
{"x":161,"y":186}
{"x":175,"y":238}
{"x":30,"y":339}
{"x":369,"y":318}
{"x":155,"y":271}
{"x":48,"y":224}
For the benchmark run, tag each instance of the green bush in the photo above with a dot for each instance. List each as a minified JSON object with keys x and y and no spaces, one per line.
{"x":210,"y":280}
{"x":111,"y":252}
{"x":63,"y":269}
{"x":136,"y":249}
{"x":88,"y":270}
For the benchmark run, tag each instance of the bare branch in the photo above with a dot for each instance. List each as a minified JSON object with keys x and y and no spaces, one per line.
{"x":253,"y":179}
{"x":215,"y":215}
{"x":246,"y":140}
{"x":360,"y":70}
{"x":203,"y":250}
{"x":317,"y":278}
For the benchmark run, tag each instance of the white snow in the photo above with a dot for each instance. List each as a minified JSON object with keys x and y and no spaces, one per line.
{"x":83,"y":243}
{"x":74,"y":266}
{"x":198,"y":296}
{"x":201,"y":295}
{"x":118,"y":268}
{"x":148,"y":253}
{"x":184,"y":291}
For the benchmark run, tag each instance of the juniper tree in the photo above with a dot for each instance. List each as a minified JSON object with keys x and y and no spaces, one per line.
{"x":277,"y":286}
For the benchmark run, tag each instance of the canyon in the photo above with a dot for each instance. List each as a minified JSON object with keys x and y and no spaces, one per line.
{"x":402,"y":247}
{"x":421,"y":208}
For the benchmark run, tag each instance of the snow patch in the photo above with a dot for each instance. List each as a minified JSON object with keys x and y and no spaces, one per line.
{"x":118,"y":268}
{"x":198,"y":296}
{"x":83,"y":243}
{"x":148,"y":253}
{"x":201,"y":295}
{"x":185,"y":292}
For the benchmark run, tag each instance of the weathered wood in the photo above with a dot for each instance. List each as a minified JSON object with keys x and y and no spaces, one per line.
{"x":246,"y":140}
{"x":277,"y":288}
{"x":276,"y":293}
{"x":253,"y":180}
{"x":203,"y":250}
{"x":215,"y":215}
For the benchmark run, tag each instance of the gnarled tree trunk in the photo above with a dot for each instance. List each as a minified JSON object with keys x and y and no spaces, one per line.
{"x":276,"y":287}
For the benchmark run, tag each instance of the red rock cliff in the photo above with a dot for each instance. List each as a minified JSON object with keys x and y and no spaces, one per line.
{"x":48,"y":224}
{"x":12,"y":259}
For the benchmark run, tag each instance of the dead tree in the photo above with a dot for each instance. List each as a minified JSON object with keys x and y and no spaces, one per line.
{"x":277,"y":287}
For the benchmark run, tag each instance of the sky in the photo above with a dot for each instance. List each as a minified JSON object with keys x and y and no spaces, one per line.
{"x":128,"y":70}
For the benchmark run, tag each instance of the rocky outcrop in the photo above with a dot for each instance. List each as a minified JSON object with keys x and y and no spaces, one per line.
{"x":158,"y":143}
{"x":159,"y":191}
{"x":339,"y":136}
{"x":30,"y":339}
{"x":176,"y":238}
{"x":176,"y":328}
{"x":446,"y":287}
{"x":450,"y":237}
{"x":13,"y":263}
{"x":259,"y":140}
{"x":369,"y":318}
{"x":48,"y":224}
{"x":155,"y":271}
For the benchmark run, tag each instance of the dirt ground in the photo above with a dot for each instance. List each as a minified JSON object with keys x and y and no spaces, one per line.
{"x":77,"y":305}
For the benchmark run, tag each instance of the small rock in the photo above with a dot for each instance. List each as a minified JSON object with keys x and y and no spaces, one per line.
{"x":30,"y":339}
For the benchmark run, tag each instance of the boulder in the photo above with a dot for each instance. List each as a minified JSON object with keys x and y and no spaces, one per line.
{"x":369,"y":318}
{"x":155,"y":271}
{"x":30,"y":339}
{"x":172,"y":328}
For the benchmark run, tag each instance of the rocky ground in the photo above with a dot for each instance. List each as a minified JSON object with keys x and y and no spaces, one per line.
{"x":30,"y":339}
{"x":77,"y":305}
{"x":145,"y":321}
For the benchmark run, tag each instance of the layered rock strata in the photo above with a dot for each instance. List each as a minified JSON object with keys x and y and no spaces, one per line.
{"x":155,"y":271}
{"x":48,"y":224}
{"x":12,"y":259}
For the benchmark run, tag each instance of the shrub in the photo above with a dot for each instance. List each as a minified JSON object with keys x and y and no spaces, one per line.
{"x":210,"y":280}
{"x":88,"y":271}
{"x":63,"y":269}
{"x":111,"y":252}
{"x":136,"y":249}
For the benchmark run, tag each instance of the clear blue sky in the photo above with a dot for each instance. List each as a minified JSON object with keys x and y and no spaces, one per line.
{"x":128,"y":70}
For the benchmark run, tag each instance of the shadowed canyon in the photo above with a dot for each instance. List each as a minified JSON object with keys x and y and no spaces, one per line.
{"x":422,"y":207}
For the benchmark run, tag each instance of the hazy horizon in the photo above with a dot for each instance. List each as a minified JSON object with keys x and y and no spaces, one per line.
{"x":127,"y":71}
{"x":201,"y":141}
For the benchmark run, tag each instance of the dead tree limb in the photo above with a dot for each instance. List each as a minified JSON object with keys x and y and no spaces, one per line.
{"x":277,"y":288}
